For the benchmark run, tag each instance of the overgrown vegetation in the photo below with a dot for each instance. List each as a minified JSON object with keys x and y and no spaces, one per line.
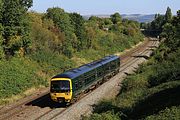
{"x":34,"y":46}
{"x":153,"y":92}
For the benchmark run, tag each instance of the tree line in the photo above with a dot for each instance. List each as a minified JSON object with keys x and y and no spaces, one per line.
{"x":160,"y":21}
{"x":167,"y":26}
{"x":72,"y":32}
{"x":80,"y":34}
{"x":14,"y":27}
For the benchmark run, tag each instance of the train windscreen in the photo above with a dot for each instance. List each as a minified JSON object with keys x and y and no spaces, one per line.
{"x":60,"y":86}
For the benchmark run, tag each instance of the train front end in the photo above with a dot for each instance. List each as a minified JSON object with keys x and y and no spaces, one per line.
{"x":61,"y":90}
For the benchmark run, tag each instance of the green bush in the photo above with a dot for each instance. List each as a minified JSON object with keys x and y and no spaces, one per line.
{"x":167,"y":70}
{"x":17,"y":75}
{"x":52,"y":63}
{"x":134,"y":82}
{"x":172,"y":113}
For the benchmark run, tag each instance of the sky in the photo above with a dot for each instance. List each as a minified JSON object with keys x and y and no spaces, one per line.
{"x":97,"y":7}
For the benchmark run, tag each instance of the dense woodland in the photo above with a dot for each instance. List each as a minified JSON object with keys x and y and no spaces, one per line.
{"x":153,"y":92}
{"x":35,"y":46}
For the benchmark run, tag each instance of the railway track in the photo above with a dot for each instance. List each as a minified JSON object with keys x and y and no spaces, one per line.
{"x":11,"y":111}
{"x":51,"y":113}
{"x":127,"y":60}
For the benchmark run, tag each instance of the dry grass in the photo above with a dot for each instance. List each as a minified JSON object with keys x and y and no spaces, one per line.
{"x":15,"y":98}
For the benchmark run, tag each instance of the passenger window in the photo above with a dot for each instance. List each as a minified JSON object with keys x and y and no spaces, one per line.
{"x":113,"y":65}
{"x":76,"y":85}
{"x":100,"y":73}
{"x":80,"y":83}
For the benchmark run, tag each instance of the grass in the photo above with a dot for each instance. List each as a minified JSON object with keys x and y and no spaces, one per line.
{"x":14,"y":98}
{"x":17,"y":75}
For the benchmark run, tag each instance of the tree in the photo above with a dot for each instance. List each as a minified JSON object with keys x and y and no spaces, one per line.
{"x":115,"y":18}
{"x":178,"y":13}
{"x":15,"y":25}
{"x":107,"y":21}
{"x":79,"y":29}
{"x":1,"y":44}
{"x":61,"y":19}
{"x":1,"y":31}
{"x":90,"y":33}
{"x":168,"y":15}
{"x":158,"y":22}
{"x":98,"y":21}
{"x":91,"y":30}
{"x":155,"y":27}
{"x":176,"y":19}
{"x":168,"y":31}
{"x":171,"y":32}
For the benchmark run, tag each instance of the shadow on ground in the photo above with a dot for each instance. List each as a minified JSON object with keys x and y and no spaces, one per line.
{"x":45,"y":101}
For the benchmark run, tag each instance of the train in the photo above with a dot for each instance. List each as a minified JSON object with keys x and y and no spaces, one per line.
{"x":67,"y":86}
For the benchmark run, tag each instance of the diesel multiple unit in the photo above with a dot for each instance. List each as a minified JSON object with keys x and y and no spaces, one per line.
{"x":66,"y":86}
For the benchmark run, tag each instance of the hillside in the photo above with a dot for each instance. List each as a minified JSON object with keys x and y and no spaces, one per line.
{"x":139,"y":17}
{"x":136,"y":17}
{"x":34,"y":46}
{"x":153,"y":91}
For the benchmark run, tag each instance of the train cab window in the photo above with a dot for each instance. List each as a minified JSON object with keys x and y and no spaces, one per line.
{"x":60,"y":86}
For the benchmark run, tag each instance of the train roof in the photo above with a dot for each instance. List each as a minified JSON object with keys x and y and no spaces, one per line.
{"x":73,"y":73}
